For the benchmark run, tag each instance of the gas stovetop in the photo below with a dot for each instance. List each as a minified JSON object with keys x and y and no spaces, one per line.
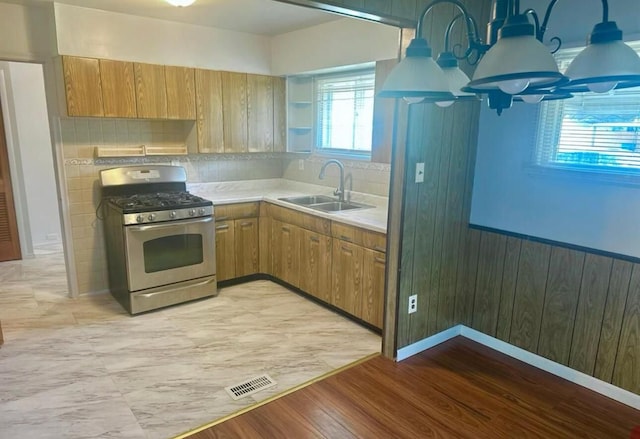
{"x":158,"y":201}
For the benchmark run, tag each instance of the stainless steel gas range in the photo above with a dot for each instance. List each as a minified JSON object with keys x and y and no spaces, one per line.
{"x":160,"y":238}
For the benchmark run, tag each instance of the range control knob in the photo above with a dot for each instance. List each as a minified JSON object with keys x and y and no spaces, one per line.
{"x":173,"y":214}
{"x":192,"y":212}
{"x":201,"y":211}
{"x":152,"y":216}
{"x":140,"y":218}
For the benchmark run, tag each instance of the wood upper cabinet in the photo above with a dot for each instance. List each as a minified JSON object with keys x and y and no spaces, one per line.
{"x":260,"y":113}
{"x":234,"y":108}
{"x":373,"y":275}
{"x":151,"y":91}
{"x":118,"y":88}
{"x":181,"y":92}
{"x":82,"y":86}
{"x":279,"y":114}
{"x":315,"y":264}
{"x":246,"y":246}
{"x":225,"y":250}
{"x":209,"y":118}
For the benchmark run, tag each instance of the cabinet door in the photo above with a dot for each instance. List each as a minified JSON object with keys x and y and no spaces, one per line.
{"x":279,"y":114}
{"x":247,"y":251}
{"x":315,"y":265}
{"x":225,"y":250}
{"x":347,"y":277}
{"x":234,"y":107}
{"x":151,"y":91}
{"x":118,"y":88}
{"x":181,"y":93}
{"x":373,"y":287}
{"x":209,"y":111}
{"x":82,"y":86}
{"x":285,"y":240}
{"x":260,"y":113}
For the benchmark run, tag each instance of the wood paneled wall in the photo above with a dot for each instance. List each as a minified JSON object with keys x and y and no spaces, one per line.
{"x":574,"y":307}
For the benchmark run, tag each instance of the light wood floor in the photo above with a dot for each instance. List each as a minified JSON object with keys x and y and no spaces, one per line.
{"x":457,"y":389}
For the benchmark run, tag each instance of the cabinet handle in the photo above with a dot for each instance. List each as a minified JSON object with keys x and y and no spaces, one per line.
{"x":286,"y":229}
{"x":379,"y":249}
{"x":347,"y":250}
{"x":222,"y":227}
{"x":315,"y":239}
{"x":245,"y":224}
{"x":380,"y":260}
{"x":345,"y":238}
{"x":221,"y":218}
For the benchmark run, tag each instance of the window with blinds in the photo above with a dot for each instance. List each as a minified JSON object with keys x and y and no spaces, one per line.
{"x":591,"y":132}
{"x":344,"y":111}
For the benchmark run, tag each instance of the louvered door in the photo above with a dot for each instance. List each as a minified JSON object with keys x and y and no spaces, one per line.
{"x":9,"y":243}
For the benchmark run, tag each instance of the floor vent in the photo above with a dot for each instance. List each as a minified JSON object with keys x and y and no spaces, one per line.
{"x":250,"y":386}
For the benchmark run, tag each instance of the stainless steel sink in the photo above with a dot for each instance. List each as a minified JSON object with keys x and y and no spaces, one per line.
{"x":308,"y":199}
{"x":338,"y":206}
{"x":324,"y":203}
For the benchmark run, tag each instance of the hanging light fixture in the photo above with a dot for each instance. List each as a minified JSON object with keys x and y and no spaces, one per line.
{"x":515,"y":65}
{"x":181,"y":3}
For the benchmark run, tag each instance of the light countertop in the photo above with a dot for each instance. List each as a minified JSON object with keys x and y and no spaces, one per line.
{"x":272,"y":189}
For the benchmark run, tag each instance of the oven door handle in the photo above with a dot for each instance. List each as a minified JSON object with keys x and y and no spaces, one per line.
{"x":204,"y":220}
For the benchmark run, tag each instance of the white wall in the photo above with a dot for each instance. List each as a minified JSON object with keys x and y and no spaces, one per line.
{"x":34,"y":141}
{"x":26,"y":33}
{"x":102,"y":34}
{"x":507,"y":195}
{"x":337,"y":43}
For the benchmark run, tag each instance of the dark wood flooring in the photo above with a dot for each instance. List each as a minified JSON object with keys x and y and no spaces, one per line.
{"x":459,"y":389}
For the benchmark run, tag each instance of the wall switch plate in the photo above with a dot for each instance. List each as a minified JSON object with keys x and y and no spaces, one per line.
{"x":300,"y":164}
{"x":413,"y":303}
{"x":419,"y":172}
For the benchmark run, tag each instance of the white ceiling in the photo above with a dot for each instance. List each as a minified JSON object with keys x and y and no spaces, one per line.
{"x":265,"y":17}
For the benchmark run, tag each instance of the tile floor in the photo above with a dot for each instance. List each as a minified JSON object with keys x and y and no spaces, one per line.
{"x":84,"y":368}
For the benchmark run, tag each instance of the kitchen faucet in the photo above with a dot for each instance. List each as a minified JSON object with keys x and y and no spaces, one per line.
{"x":340,"y":190}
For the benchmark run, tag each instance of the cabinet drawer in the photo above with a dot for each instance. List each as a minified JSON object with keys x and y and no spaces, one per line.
{"x":236,"y":211}
{"x":304,"y":220}
{"x":366,"y":238}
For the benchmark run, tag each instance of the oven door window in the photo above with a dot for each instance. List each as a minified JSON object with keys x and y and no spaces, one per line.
{"x":173,"y":251}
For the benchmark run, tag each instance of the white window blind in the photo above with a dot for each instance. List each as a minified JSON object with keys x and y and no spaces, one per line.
{"x":591,"y":132}
{"x":344,"y":111}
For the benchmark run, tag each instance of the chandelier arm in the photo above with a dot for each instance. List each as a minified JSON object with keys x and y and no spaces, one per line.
{"x":547,"y":16}
{"x":475,"y":44}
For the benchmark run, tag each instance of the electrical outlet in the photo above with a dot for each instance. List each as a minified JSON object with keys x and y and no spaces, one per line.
{"x":419,"y":172}
{"x":301,"y":165}
{"x":413,"y":303}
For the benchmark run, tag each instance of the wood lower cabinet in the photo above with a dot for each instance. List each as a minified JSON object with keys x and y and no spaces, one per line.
{"x":315,"y":264}
{"x":237,"y":240}
{"x":285,"y":256}
{"x":247,"y":253}
{"x":225,"y":250}
{"x":373,"y":280}
{"x":347,"y":277}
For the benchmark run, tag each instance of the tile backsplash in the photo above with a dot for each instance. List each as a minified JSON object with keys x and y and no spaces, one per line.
{"x":80,"y":137}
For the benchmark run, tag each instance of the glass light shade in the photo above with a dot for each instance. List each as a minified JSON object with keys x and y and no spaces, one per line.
{"x":416,"y":76}
{"x":532,"y":99}
{"x":456,"y":79}
{"x":181,"y":3}
{"x":604,"y":66}
{"x":513,"y":63}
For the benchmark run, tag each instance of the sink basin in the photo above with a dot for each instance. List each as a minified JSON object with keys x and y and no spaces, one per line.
{"x":324,"y":203}
{"x":309,"y":199}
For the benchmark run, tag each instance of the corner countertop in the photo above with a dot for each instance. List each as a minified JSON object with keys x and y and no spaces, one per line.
{"x":272,"y":190}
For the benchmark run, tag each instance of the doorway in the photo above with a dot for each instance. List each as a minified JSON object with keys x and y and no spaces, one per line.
{"x":29,"y":160}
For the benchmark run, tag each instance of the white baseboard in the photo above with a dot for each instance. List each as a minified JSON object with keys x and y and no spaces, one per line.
{"x":582,"y":379}
{"x":427,"y":343}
